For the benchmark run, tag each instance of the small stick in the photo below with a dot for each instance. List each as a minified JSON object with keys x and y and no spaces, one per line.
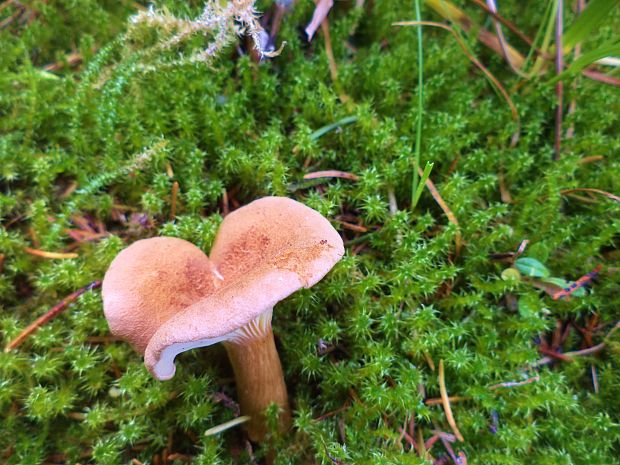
{"x":429,"y":360}
{"x":173,"y":199}
{"x":439,"y":400}
{"x":510,"y":384}
{"x":444,"y":206}
{"x":557,"y":355}
{"x":422,"y":451}
{"x":335,"y":412}
{"x":409,"y":439}
{"x":102,"y":339}
{"x":577,"y":353}
{"x":601,"y":77}
{"x":431,"y":441}
{"x":332,"y":174}
{"x":500,"y":37}
{"x":446,"y":403}
{"x":594,"y":378}
{"x":506,"y":23}
{"x":503,"y":190}
{"x":590,"y":159}
{"x":55,"y":311}
{"x":45,"y":254}
{"x":225,"y":206}
{"x":354,"y":227}
{"x":333,"y":69}
{"x":392,"y":201}
{"x":589,"y":190}
{"x":581,"y":282}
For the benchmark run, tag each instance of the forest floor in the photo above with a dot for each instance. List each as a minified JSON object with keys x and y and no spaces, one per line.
{"x":473,"y":318}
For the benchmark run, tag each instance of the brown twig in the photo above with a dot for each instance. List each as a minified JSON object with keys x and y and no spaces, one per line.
{"x":594,"y":378}
{"x":354,"y":227}
{"x":408,"y":438}
{"x":452,"y":13}
{"x":439,"y":400}
{"x":334,"y":412}
{"x":610,"y":196}
{"x":225,"y":205}
{"x":446,"y":403}
{"x":331,"y":174}
{"x":102,"y":339}
{"x":180,"y":457}
{"x":591,"y":159}
{"x":506,"y":23}
{"x":72,"y":59}
{"x":568,"y":356}
{"x":500,"y":36}
{"x":601,"y":77}
{"x":511,"y":384}
{"x":329,"y":51}
{"x":173,"y":199}
{"x":55,"y":311}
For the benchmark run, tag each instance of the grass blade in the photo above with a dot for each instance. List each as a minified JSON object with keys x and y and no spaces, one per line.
{"x":593,"y":16}
{"x":495,"y":84}
{"x":330,"y":127}
{"x":611,"y":47}
{"x":415,"y":190}
{"x":418,"y":193}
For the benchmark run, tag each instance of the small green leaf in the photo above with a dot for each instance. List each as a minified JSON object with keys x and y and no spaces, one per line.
{"x":511,"y":274}
{"x":531,"y":267}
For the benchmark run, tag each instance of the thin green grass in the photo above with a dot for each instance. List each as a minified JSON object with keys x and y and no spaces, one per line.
{"x":420,"y":114}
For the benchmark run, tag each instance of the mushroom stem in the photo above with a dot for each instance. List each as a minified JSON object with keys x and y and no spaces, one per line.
{"x":260,"y":381}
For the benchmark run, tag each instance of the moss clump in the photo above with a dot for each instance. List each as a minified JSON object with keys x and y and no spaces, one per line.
{"x":88,"y":162}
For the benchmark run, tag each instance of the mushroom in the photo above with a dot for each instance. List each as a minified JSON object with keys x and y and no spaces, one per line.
{"x":165,"y":296}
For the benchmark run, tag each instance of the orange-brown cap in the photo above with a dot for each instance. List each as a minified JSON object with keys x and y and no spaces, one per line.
{"x":264,"y":251}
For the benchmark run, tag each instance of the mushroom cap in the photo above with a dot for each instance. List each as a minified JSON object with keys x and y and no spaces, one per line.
{"x":151,"y":281}
{"x":265,"y":251}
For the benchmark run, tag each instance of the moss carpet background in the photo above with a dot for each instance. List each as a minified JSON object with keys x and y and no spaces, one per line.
{"x":97,"y":148}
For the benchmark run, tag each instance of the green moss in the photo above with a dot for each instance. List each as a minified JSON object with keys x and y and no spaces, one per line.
{"x":98,"y":141}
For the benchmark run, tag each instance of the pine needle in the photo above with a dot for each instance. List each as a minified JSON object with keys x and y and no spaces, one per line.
{"x":46,"y":254}
{"x":226,"y":425}
{"x":446,"y":403}
{"x":55,"y":311}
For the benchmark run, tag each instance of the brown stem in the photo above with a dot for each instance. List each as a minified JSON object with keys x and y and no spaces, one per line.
{"x":260,"y":382}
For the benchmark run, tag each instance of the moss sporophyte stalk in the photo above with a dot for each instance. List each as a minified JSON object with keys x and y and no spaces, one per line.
{"x":489,"y":308}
